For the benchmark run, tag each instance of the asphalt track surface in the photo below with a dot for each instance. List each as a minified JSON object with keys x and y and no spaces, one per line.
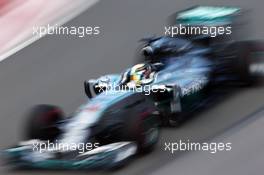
{"x":246,"y":157}
{"x":52,"y":70}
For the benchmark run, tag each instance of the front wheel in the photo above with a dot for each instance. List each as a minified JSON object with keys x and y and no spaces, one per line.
{"x":41,"y":123}
{"x":144,"y":130}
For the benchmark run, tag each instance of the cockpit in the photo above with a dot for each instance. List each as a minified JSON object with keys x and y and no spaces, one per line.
{"x":139,"y":75}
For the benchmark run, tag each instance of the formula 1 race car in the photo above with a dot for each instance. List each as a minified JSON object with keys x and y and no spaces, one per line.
{"x":124,"y":111}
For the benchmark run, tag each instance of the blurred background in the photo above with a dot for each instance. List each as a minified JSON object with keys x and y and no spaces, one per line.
{"x":52,"y":70}
{"x":18,"y":17}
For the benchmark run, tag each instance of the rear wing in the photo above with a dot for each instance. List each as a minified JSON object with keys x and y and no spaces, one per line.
{"x":236,"y":19}
{"x":206,"y":15}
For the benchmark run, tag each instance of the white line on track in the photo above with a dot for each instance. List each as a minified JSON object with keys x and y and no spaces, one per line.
{"x":60,"y":22}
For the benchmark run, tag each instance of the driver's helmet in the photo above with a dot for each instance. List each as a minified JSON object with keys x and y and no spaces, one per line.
{"x":140,"y":74}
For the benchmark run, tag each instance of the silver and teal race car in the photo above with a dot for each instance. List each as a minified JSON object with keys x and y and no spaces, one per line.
{"x":124,"y":112}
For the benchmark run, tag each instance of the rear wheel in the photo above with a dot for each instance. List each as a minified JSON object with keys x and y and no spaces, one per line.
{"x":41,"y":123}
{"x":249,"y":61}
{"x":242,"y":62}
